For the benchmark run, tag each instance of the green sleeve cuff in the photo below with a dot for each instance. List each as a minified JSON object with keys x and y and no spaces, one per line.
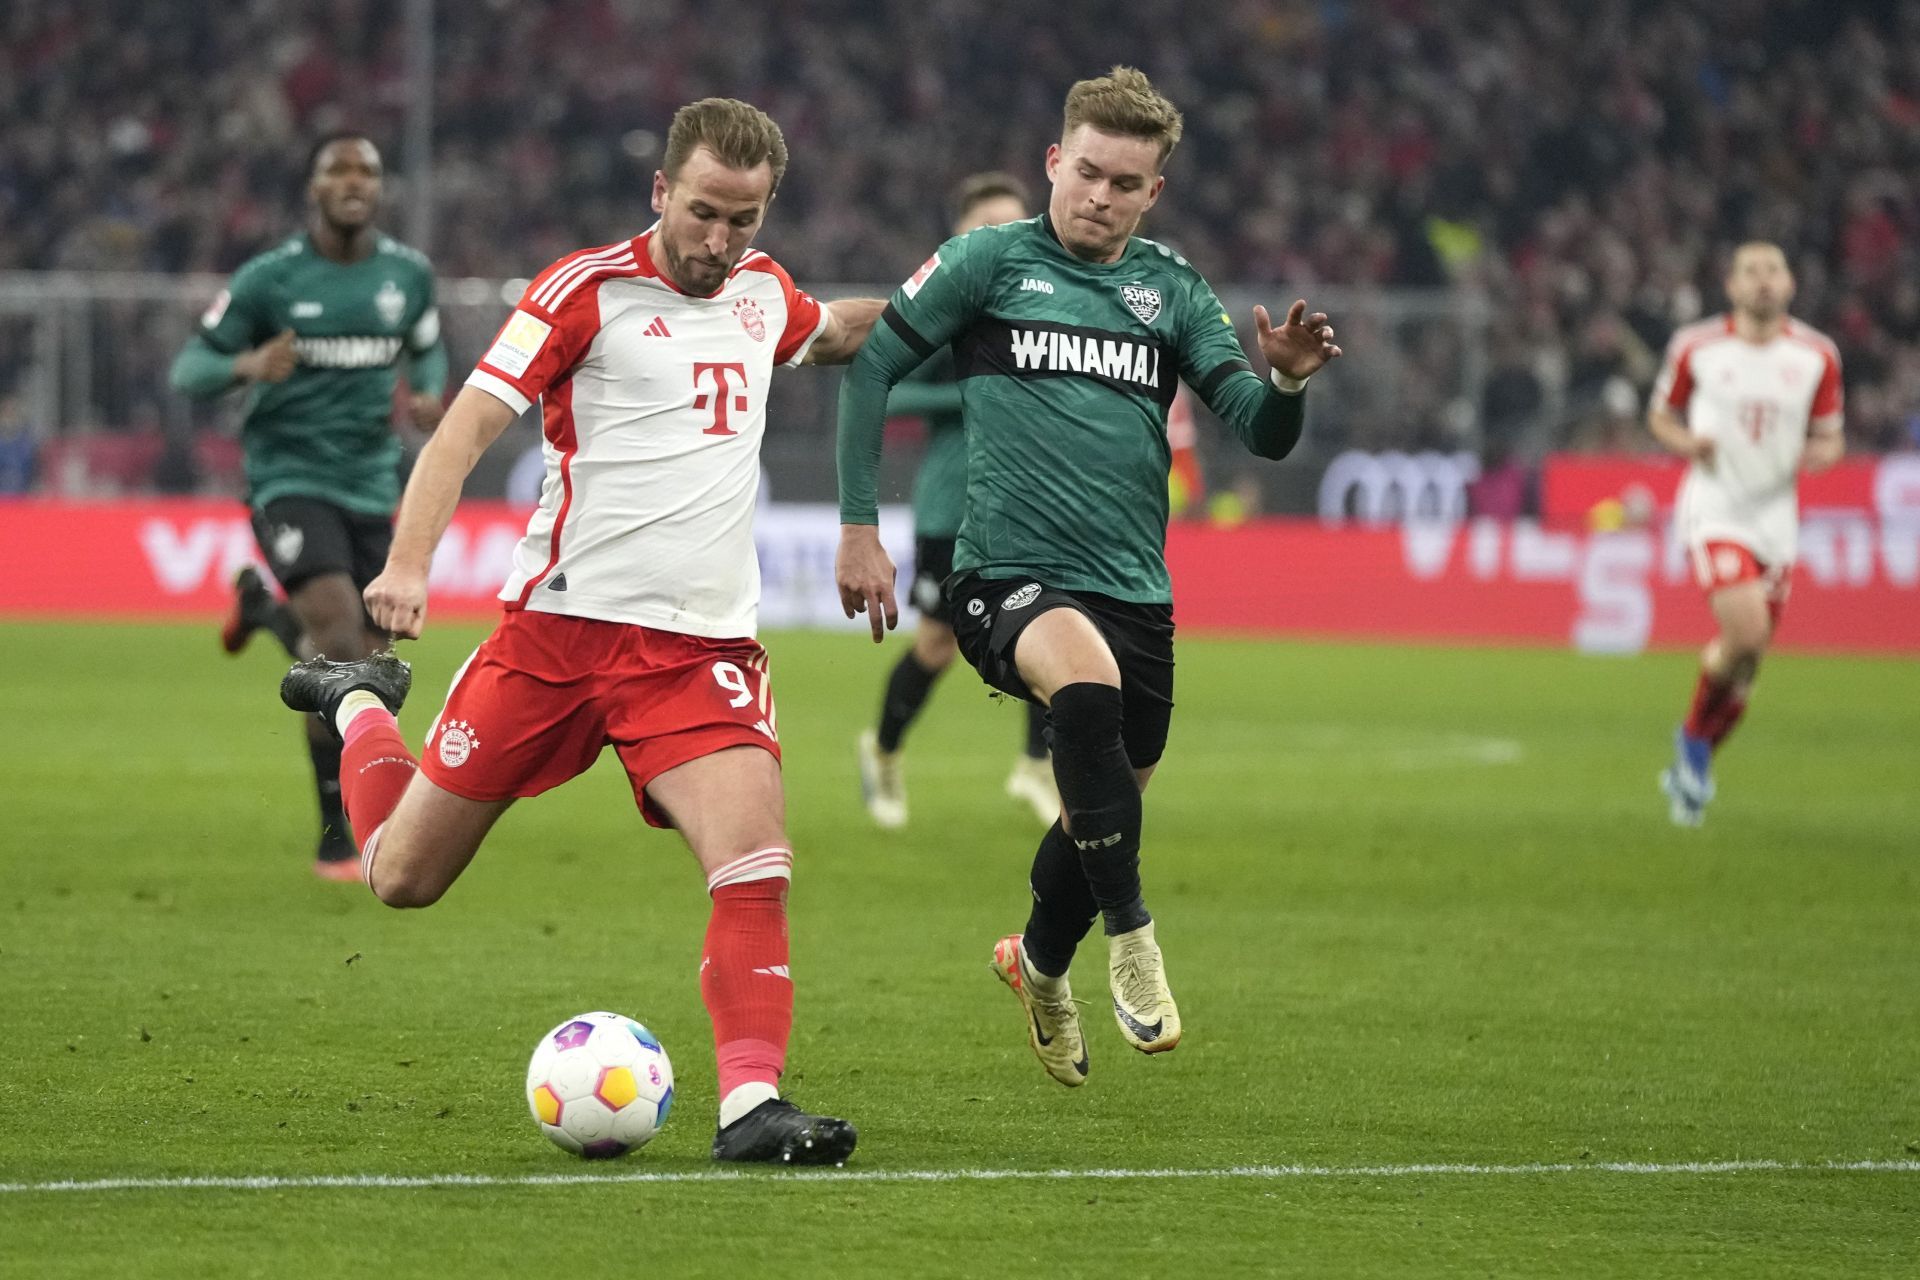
{"x":200,"y":371}
{"x":427,"y":370}
{"x":1267,"y":420}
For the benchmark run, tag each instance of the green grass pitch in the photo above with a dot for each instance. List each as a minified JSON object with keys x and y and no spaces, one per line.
{"x":1422,"y":907}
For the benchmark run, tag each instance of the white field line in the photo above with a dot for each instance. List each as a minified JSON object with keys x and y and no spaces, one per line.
{"x":1256,"y":1173}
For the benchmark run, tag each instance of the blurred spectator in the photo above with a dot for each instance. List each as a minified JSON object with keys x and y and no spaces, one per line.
{"x":19,"y":446}
{"x":1505,"y":489}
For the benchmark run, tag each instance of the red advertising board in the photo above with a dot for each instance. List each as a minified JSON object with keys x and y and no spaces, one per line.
{"x":1572,"y":485}
{"x":1857,"y":586}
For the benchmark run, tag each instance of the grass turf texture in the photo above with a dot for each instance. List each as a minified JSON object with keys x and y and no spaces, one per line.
{"x":1420,"y":905}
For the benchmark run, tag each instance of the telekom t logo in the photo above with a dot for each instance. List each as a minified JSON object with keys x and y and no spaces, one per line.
{"x":723,"y":395}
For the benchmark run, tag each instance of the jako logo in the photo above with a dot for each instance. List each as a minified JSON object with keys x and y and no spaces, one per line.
{"x":1030,"y":285}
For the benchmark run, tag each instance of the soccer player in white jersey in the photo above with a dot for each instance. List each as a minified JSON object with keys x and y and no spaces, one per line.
{"x":631,"y":606}
{"x":1752,"y":399}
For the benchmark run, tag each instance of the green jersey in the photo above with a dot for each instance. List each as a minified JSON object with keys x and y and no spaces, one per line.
{"x":940,"y":486}
{"x":1067,"y":369}
{"x":326,"y":431}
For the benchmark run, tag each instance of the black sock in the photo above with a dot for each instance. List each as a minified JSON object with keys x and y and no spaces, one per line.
{"x":326,"y":780}
{"x":1036,"y":731}
{"x":1101,"y":798}
{"x":907,"y":690}
{"x":286,"y":629}
{"x":1063,"y":905}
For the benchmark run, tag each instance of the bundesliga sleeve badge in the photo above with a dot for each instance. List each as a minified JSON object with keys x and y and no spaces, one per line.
{"x":912,"y":287}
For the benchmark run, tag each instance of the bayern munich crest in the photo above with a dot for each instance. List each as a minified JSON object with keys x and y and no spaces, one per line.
{"x":752,"y":318}
{"x":1141,"y":300}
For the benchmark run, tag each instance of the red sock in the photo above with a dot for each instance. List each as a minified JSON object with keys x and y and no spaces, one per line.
{"x":1717,"y":705}
{"x":743,"y":972}
{"x":375,"y":768}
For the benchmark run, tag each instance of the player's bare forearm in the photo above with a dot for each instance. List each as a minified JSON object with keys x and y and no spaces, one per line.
{"x":1674,"y":435}
{"x":433,"y":491}
{"x":397,"y":599}
{"x":1825,"y":446}
{"x":849,"y":321}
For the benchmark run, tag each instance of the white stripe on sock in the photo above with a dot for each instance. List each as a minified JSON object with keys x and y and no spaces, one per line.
{"x":369,"y":850}
{"x":773,"y":862}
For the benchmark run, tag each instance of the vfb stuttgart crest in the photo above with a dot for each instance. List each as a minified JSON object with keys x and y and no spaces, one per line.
{"x":390,"y":303}
{"x":1141,"y":300}
{"x":752,"y":318}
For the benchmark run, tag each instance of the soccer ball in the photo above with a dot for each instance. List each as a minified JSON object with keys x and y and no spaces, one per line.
{"x":599,"y":1085}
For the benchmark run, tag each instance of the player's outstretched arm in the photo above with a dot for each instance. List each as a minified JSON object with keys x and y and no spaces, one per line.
{"x":849,"y":321}
{"x":1267,"y":414}
{"x":397,"y":599}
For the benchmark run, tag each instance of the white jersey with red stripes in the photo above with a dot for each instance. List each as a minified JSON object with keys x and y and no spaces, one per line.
{"x":1757,"y":402}
{"x":654,"y":404}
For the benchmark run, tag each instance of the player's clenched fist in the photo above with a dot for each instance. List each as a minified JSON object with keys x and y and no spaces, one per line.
{"x":397,"y":601}
{"x":272,"y":361}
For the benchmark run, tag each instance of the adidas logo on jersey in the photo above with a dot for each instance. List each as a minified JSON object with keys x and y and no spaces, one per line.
{"x":658,"y":329}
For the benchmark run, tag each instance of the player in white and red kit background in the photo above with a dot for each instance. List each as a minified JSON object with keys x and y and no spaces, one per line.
{"x":630,"y":608}
{"x":1753,"y":399}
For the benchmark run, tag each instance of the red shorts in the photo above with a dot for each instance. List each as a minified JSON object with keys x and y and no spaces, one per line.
{"x":538,"y":700}
{"x":1718,"y":564}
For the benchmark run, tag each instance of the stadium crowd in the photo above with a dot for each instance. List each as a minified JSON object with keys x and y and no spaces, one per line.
{"x":1586,"y":167}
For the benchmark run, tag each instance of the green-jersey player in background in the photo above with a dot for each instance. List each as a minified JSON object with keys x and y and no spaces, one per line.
{"x":939,"y":501}
{"x":319,"y":329}
{"x":1070,"y":338}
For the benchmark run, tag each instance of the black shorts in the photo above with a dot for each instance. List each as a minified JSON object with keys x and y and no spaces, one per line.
{"x":303,"y":538}
{"x":989,"y":615}
{"x":932,"y":566}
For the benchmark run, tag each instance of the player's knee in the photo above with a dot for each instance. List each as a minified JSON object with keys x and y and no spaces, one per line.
{"x":1085,"y":713}
{"x":405,"y":888}
{"x":402,"y":881}
{"x":1743,"y":646}
{"x":935,"y":650}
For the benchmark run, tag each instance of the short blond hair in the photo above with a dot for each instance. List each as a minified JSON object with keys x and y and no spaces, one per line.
{"x":740,"y":135}
{"x":1125,"y":102}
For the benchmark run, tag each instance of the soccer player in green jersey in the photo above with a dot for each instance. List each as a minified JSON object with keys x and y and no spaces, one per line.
{"x":1070,"y":335}
{"x":318,"y":329}
{"x":939,"y":500}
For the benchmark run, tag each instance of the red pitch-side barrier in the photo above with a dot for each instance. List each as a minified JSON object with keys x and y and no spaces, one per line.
{"x":1572,"y":485}
{"x":1857,"y":587}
